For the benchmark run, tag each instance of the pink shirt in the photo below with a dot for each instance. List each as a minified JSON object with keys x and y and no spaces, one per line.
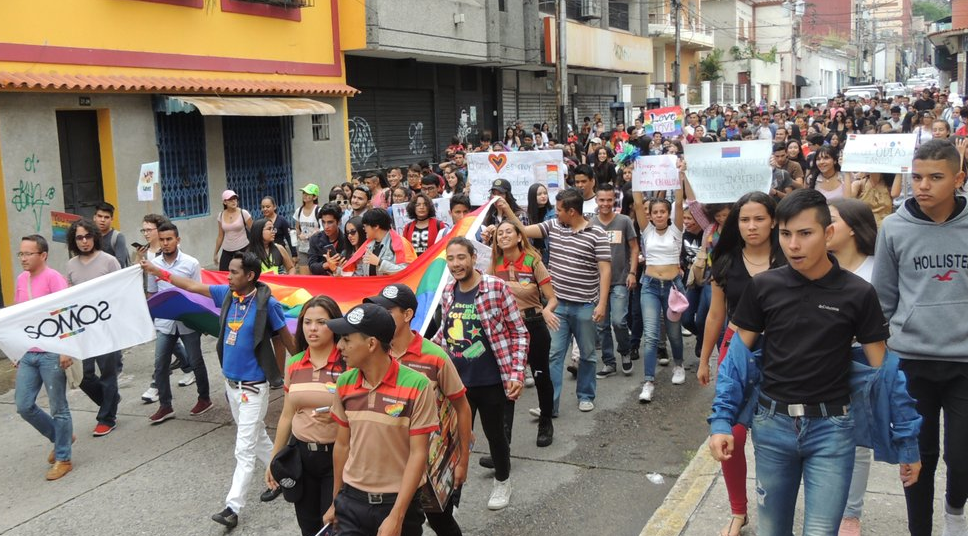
{"x":47,"y":282}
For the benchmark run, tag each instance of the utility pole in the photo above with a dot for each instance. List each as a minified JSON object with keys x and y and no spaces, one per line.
{"x":677,"y":7}
{"x":561,"y":70}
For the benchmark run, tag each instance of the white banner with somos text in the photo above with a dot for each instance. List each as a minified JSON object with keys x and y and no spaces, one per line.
{"x":520,"y":168}
{"x":879,"y":153}
{"x":724,"y":172}
{"x":99,"y":316}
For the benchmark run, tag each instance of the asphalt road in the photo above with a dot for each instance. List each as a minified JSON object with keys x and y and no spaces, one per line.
{"x":169,"y":479}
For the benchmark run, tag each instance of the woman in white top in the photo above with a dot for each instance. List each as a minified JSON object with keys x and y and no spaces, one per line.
{"x":661,"y":244}
{"x":855,"y":233}
{"x":307,"y":224}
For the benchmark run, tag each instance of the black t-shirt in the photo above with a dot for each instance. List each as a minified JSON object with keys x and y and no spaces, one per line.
{"x":737,"y":278}
{"x":808,"y":327}
{"x":924,"y":105}
{"x":467,"y":343}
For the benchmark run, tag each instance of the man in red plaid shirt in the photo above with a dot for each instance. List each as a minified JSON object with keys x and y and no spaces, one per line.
{"x":484,"y":334}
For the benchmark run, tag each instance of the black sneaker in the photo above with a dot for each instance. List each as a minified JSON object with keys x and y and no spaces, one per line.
{"x":546,"y":433}
{"x":627,"y":365}
{"x":573,"y":370}
{"x":270,"y":494}
{"x":607,"y":370}
{"x":226,"y":517}
{"x":634,"y":352}
{"x":486,"y":462}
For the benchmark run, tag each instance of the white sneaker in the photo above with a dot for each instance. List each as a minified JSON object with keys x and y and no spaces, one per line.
{"x":586,"y":405}
{"x":150,"y":396}
{"x":187,"y":379}
{"x":500,"y":495}
{"x":663,"y":361}
{"x":646,"y":394}
{"x":686,"y":333}
{"x":535,"y":412}
{"x":678,"y":375}
{"x":955,"y":525}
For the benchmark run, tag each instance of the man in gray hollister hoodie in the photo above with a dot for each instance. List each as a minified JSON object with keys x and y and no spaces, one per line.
{"x":921,"y":278}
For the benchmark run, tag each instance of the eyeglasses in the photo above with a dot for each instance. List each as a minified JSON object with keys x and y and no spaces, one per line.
{"x":148,"y":230}
{"x":25,"y":254}
{"x":83,"y":237}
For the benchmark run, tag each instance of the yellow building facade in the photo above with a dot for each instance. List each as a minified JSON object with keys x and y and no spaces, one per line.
{"x":248,"y":95}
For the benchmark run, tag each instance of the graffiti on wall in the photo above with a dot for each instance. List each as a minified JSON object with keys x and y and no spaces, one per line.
{"x":362,"y":144}
{"x":30,"y":196}
{"x":463,"y":126}
{"x":417,"y":145}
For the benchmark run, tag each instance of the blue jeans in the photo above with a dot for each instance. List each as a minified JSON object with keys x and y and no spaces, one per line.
{"x":576,"y":320}
{"x":165,"y":344}
{"x":38,"y":369}
{"x":694,"y":319}
{"x":635,"y":318}
{"x":103,"y":389}
{"x":615,"y":320}
{"x":818,"y":449}
{"x":655,"y":301}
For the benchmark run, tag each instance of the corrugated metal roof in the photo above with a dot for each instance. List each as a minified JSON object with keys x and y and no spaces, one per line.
{"x":151,"y":84}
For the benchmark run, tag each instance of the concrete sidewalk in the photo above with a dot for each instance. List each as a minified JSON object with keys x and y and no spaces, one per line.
{"x":698,"y":505}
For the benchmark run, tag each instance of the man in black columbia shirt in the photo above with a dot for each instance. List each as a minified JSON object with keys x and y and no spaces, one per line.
{"x":809,"y":312}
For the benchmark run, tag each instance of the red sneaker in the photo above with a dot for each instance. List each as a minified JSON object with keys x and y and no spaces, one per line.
{"x":202,"y":406}
{"x":162,"y":415}
{"x":103,"y":429}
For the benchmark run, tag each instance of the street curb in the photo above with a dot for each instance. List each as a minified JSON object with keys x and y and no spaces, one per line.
{"x":671,"y":518}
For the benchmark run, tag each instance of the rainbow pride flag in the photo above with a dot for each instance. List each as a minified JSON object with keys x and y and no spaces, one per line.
{"x":427,"y":276}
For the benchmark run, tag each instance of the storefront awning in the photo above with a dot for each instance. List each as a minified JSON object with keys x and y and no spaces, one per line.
{"x":801,"y":81}
{"x":247,"y":106}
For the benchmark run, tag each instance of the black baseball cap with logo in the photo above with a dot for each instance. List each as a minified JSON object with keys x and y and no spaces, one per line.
{"x":501,"y":185}
{"x":395,"y":295}
{"x":367,"y":318}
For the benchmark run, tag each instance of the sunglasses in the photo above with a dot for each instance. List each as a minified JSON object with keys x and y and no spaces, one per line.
{"x":83,"y":237}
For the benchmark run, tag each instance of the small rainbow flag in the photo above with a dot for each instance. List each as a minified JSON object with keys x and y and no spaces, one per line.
{"x":427,"y":277}
{"x":731,"y":152}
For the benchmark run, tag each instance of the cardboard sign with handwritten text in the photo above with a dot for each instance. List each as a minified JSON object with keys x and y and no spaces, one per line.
{"x":724,"y":172}
{"x":520,"y":168}
{"x":652,"y":173}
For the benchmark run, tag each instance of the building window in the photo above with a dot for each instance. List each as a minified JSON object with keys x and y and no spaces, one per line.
{"x":572,"y":8}
{"x":618,"y":14}
{"x":320,"y":127}
{"x":183,"y":164}
{"x":502,"y":5}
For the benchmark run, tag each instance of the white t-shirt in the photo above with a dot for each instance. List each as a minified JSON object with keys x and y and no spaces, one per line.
{"x":866,"y":269}
{"x":662,"y":249}
{"x":308,"y":224}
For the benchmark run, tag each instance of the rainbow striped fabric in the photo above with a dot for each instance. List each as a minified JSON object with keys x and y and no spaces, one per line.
{"x":427,"y":277}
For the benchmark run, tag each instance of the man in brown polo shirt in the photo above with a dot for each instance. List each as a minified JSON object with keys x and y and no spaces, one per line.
{"x":386,"y":413}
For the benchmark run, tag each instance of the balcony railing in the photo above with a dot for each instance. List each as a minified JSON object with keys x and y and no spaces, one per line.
{"x":665,"y":19}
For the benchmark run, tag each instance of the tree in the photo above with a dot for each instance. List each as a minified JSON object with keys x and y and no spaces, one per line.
{"x":711,"y":67}
{"x":930,"y":10}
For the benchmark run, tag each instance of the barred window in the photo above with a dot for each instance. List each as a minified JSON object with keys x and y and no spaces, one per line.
{"x":320,"y":127}
{"x":182,"y":162}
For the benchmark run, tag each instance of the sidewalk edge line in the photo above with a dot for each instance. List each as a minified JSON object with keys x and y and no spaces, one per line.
{"x":671,"y":518}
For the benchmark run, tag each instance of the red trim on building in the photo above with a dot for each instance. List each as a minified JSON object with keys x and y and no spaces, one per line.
{"x":184,"y":3}
{"x":261,"y":10}
{"x":160,"y":60}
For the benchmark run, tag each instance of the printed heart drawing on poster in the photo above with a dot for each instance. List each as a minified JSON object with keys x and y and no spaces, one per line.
{"x":498,"y":161}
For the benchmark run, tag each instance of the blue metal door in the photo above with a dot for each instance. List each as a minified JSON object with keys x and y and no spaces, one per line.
{"x":258,"y":161}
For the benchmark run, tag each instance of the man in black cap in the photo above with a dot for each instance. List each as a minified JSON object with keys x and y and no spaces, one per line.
{"x":429,"y":359}
{"x":386,"y":414}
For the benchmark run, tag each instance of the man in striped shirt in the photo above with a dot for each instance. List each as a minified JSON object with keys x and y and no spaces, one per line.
{"x":581,"y":271}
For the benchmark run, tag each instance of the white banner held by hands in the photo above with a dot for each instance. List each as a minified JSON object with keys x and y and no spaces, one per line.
{"x":879,"y":153}
{"x":520,"y":168}
{"x":652,"y":173}
{"x":724,"y":172}
{"x":99,"y":316}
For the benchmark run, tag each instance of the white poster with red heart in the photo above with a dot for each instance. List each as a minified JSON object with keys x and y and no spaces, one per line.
{"x":520,"y":169}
